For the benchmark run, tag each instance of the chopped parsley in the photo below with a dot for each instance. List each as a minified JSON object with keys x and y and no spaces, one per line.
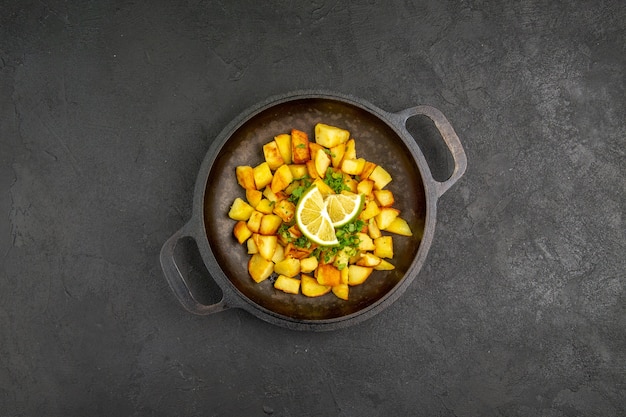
{"x":335,"y":181}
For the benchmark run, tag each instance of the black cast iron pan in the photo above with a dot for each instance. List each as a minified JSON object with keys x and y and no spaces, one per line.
{"x":381,"y":137}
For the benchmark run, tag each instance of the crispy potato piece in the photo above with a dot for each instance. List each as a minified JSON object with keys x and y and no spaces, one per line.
{"x":295,"y":252}
{"x":311,"y":288}
{"x":350,"y":152}
{"x":287,"y":284}
{"x":286,"y":210}
{"x":367,"y":169}
{"x":336,"y":154}
{"x":269,"y":194}
{"x":254,"y":196}
{"x":254,"y":222}
{"x":399,"y":226}
{"x":272,"y":155}
{"x":323,"y":187}
{"x":380,"y":177}
{"x":245,"y":177}
{"x":386,"y":216}
{"x":299,"y":171}
{"x":279,"y":253}
{"x":353,"y":166}
{"x":351,"y":183}
{"x":329,"y":136}
{"x":252,"y":249}
{"x":327,"y":274}
{"x":365,"y":187}
{"x":289,"y":267}
{"x":322,"y":162}
{"x":283,"y":142}
{"x":308,"y":264}
{"x":370,"y":210}
{"x":384,"y":247}
{"x":368,"y":259}
{"x":269,"y":224}
{"x":372,"y":229}
{"x":266,"y":245}
{"x":300,"y":152}
{"x":240,"y":210}
{"x":265,"y":206}
{"x":311,"y":169}
{"x":341,"y":291}
{"x":384,"y":198}
{"x":358,"y":274}
{"x":314,"y":148}
{"x":282,"y":178}
{"x":241,"y":231}
{"x":262,"y":175}
{"x":384,"y":266}
{"x":260,"y":268}
{"x":365,"y":242}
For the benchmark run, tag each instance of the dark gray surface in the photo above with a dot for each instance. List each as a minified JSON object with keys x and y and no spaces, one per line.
{"x":107,"y":109}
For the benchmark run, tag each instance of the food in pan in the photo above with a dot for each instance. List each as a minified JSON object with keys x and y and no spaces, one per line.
{"x":316,"y":218}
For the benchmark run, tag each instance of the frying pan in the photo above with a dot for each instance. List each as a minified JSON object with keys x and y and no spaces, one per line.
{"x":381,"y":137}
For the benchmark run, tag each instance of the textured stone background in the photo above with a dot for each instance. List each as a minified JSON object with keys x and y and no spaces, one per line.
{"x":107,"y":109}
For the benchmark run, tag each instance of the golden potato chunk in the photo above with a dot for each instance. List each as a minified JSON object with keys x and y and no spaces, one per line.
{"x":384,"y":266}
{"x":241,"y":231}
{"x":380,"y":177}
{"x":282,"y":178}
{"x":285,"y":209}
{"x":384,"y":198}
{"x":367,"y":169}
{"x":365,"y":187}
{"x":253,"y":196}
{"x":370,"y":210}
{"x":353,"y":166}
{"x":298,"y":171}
{"x":260,"y":268}
{"x":386,"y":216}
{"x":311,"y":288}
{"x":327,"y":274}
{"x":272,"y":155}
{"x":336,"y":154}
{"x":265,"y":206}
{"x":365,"y":242}
{"x":368,"y":259}
{"x":350,"y":152}
{"x":289,"y":267}
{"x":358,"y":274}
{"x":283,"y":142}
{"x":266,"y":245}
{"x":341,"y":291}
{"x":308,"y":264}
{"x":245,"y":177}
{"x":254,"y":222}
{"x":329,"y":136}
{"x":322,"y":162}
{"x":287,"y":284}
{"x":384,"y":247}
{"x":269,"y":224}
{"x":399,"y":226}
{"x":262,"y":175}
{"x":300,"y":152}
{"x":240,"y":210}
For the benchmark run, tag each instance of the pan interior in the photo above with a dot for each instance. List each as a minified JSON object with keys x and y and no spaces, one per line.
{"x":376,"y":141}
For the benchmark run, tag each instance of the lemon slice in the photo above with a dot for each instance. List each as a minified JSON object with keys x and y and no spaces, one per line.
{"x":313,"y":220}
{"x":343,"y":208}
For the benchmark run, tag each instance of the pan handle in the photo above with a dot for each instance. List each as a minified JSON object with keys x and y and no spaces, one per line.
{"x":450,"y":138}
{"x":178,"y":283}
